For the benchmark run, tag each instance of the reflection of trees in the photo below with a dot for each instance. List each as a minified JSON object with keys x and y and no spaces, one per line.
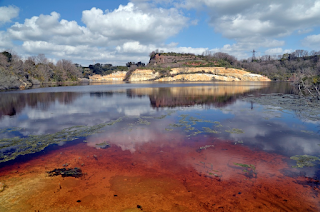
{"x":101,"y":94}
{"x":12,"y":103}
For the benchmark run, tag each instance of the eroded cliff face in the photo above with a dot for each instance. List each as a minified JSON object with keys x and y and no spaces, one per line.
{"x":220,"y":73}
{"x":143,"y":75}
{"x":184,"y":74}
{"x":116,"y":76}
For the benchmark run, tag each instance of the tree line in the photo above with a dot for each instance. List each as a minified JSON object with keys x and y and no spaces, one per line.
{"x":39,"y":69}
{"x":301,"y":67}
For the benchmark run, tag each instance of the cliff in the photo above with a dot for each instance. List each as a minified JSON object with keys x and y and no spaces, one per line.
{"x":184,"y":74}
{"x":220,"y":73}
{"x":143,"y":75}
{"x":116,"y":76}
{"x":197,"y":74}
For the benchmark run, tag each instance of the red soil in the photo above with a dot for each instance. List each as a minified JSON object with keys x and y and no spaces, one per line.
{"x":158,"y":176}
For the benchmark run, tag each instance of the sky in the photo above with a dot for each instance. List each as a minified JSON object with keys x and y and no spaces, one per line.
{"x":117,"y":32}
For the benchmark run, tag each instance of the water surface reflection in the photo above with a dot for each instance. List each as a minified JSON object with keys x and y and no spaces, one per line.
{"x":163,"y":147}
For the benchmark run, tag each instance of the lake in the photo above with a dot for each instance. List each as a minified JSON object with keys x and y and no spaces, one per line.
{"x":246,"y":146}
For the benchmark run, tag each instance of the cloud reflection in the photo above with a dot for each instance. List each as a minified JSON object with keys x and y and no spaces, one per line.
{"x":132,"y":137}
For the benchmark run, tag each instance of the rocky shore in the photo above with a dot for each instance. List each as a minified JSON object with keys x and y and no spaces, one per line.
{"x":8,"y":82}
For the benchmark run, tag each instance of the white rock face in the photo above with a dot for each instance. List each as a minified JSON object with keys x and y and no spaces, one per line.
{"x":184,"y":74}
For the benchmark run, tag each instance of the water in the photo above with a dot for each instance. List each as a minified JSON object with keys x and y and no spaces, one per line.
{"x":159,"y":147}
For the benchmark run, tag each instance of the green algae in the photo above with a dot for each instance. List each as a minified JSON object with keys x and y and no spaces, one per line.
{"x":246,"y":166}
{"x":249,"y":169}
{"x":143,"y":122}
{"x":176,"y":125}
{"x":168,"y":129}
{"x":205,"y":147}
{"x":307,"y":132}
{"x":235,"y":131}
{"x":217,"y":124}
{"x":196,"y":120}
{"x":196,"y":132}
{"x":103,"y":145}
{"x":208,"y":130}
{"x":154,"y":117}
{"x":9,"y":130}
{"x":189,"y":123}
{"x":304,"y":160}
{"x":13,"y":147}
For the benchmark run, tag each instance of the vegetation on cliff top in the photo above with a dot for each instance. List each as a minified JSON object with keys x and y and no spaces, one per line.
{"x":301,"y":67}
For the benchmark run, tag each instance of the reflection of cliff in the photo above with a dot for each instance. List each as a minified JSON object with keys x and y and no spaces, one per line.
{"x":217,"y":95}
{"x":13,"y":103}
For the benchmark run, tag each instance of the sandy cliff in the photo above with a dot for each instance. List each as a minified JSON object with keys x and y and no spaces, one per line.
{"x":143,"y":75}
{"x":184,"y":74}
{"x":117,"y":76}
{"x":220,"y":73}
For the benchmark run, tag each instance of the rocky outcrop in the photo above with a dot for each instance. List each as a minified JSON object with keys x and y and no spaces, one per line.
{"x":9,"y":81}
{"x":165,"y":59}
{"x":143,"y":75}
{"x":116,"y":76}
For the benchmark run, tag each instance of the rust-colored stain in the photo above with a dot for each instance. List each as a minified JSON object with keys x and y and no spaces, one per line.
{"x":158,"y":176}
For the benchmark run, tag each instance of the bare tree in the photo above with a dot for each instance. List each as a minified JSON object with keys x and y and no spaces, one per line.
{"x":41,"y":58}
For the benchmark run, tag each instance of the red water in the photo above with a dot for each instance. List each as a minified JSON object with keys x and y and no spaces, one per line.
{"x":157,"y":176}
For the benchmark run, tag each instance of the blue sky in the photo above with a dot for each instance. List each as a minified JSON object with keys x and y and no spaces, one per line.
{"x":120,"y":31}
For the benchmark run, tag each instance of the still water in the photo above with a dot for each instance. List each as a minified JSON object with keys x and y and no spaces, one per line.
{"x":159,"y":147}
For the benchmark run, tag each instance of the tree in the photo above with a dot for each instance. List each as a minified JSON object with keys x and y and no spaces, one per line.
{"x":8,"y":55}
{"x":41,"y":58}
{"x":152,"y":54}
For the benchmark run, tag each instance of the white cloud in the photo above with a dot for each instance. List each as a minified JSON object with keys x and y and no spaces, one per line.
{"x":72,"y":52}
{"x":128,"y":33}
{"x":130,"y":47}
{"x":5,"y":41}
{"x":8,"y":13}
{"x":130,"y":23}
{"x":241,"y":49}
{"x":304,"y":31}
{"x":49,"y":28}
{"x":257,"y":22}
{"x":277,"y":51}
{"x":312,"y":41}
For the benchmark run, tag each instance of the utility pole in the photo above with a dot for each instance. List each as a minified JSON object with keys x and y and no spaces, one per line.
{"x":253,"y":55}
